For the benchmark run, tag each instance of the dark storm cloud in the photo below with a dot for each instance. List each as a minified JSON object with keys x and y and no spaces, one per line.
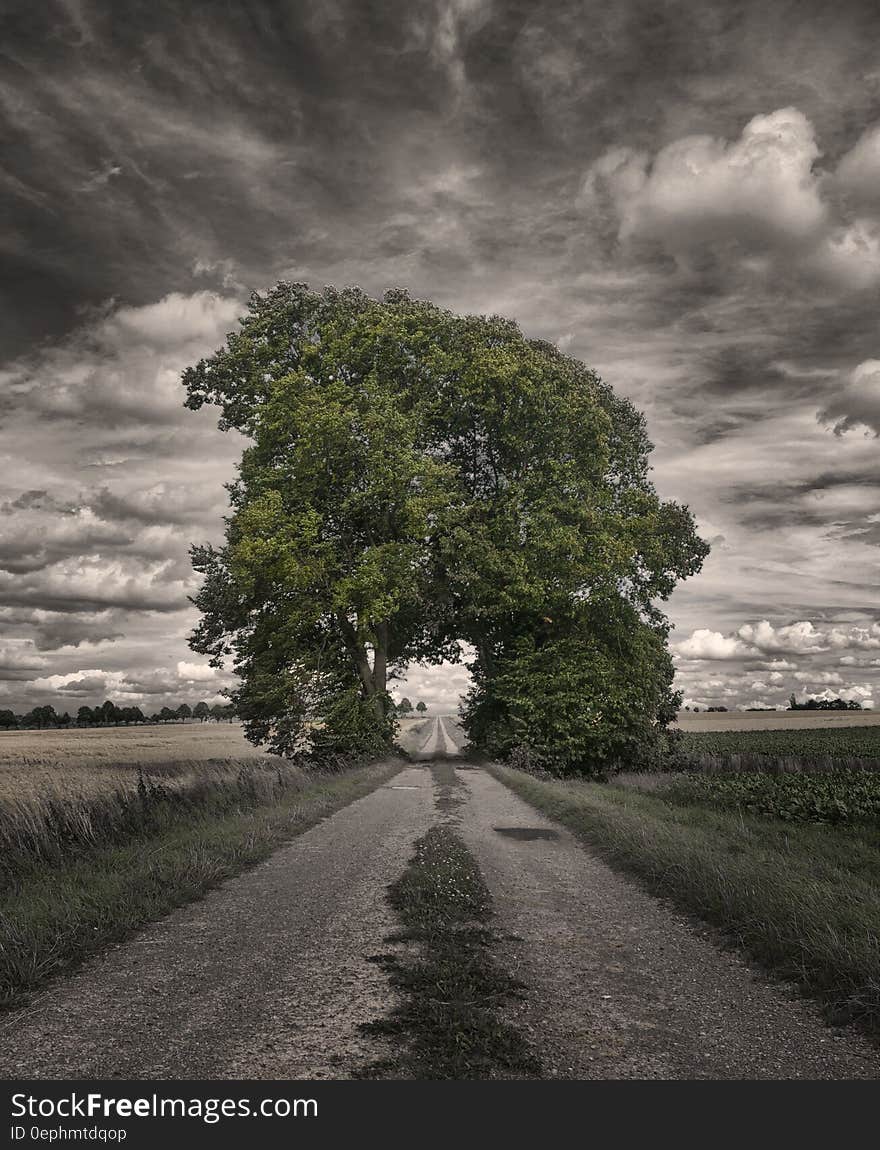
{"x":684,"y":195}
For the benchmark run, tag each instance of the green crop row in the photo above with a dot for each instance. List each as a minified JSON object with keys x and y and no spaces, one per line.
{"x":819,"y":743}
{"x":831,"y":797}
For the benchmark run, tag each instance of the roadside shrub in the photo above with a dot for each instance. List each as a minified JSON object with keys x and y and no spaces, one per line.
{"x":591,"y":702}
{"x":351,"y":728}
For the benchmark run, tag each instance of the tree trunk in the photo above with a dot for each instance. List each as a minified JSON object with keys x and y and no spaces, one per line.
{"x":374,"y":679}
{"x":380,"y":661}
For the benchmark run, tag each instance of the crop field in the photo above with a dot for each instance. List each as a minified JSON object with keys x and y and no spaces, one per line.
{"x":709,"y":721}
{"x":833,"y":797}
{"x":819,"y":746}
{"x":91,"y":762}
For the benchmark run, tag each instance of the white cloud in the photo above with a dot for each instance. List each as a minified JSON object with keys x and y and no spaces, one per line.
{"x":858,"y":693}
{"x":125,"y":366}
{"x":173,"y":320}
{"x":857,"y":406}
{"x":824,"y":677}
{"x":795,"y":637}
{"x":705,"y":644}
{"x":848,"y":255}
{"x":858,"y":173}
{"x":20,"y":661}
{"x":760,"y":193}
{"x":196,"y":672}
{"x":758,"y":189}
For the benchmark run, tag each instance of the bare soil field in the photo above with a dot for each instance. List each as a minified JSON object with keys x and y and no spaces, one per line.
{"x":773,"y":720}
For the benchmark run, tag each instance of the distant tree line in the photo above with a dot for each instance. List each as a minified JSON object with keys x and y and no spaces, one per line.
{"x":824,"y":705}
{"x":111,"y":715}
{"x":405,"y":707}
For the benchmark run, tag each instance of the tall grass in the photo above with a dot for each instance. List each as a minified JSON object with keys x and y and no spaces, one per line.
{"x":52,"y":829}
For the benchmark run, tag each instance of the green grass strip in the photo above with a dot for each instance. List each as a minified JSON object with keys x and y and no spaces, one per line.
{"x":451,"y":986}
{"x":803,"y":900}
{"x":57,"y":915}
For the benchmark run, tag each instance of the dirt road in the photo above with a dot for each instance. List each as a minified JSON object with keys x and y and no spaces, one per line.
{"x":268,"y":977}
{"x":435,"y":741}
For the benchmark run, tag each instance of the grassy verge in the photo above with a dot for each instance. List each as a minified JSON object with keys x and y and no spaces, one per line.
{"x":803,"y":900}
{"x":451,"y":987}
{"x":65,"y":898}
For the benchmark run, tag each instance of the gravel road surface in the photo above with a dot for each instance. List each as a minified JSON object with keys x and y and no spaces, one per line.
{"x":434,"y":741}
{"x":268,"y":976}
{"x":620,"y":984}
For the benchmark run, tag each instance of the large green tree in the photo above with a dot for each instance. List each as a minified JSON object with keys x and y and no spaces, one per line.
{"x":415,"y":480}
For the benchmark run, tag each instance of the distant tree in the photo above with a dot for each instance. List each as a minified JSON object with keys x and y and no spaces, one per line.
{"x":792,"y":702}
{"x":65,"y":720}
{"x":217,"y":712}
{"x":201,"y":711}
{"x":85,"y":716}
{"x":404,"y":707}
{"x":166,"y":714}
{"x":108,"y":713}
{"x":155,"y":717}
{"x":40,"y":717}
{"x":184,"y":711}
{"x":8,"y":720}
{"x":421,"y":707}
{"x":696,"y":709}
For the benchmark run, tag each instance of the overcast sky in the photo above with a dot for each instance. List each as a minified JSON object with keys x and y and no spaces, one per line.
{"x":684,"y":195}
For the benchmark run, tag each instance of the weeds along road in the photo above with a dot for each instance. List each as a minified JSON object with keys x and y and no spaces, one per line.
{"x":270,"y":975}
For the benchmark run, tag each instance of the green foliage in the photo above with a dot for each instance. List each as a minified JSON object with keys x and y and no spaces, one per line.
{"x":416,"y":479}
{"x":829,"y":797}
{"x":350,"y":727}
{"x":590,"y":702}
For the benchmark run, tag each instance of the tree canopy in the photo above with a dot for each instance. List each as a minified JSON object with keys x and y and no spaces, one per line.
{"x":416,"y":481}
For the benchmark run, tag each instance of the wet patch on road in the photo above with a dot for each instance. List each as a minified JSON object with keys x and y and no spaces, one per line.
{"x":450,"y":792}
{"x":526,"y":834}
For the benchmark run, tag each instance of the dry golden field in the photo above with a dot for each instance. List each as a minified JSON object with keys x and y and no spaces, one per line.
{"x":93,"y":761}
{"x":707,"y":722}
